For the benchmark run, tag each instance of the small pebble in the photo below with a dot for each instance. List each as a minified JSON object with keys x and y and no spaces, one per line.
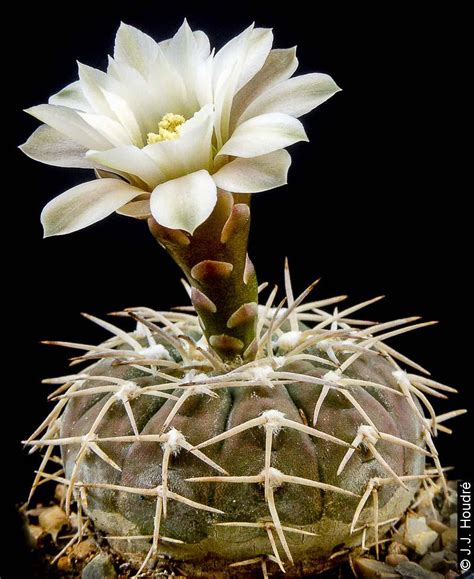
{"x":60,"y":492}
{"x":431,"y":560}
{"x":418,"y":535}
{"x":53,"y":519}
{"x":450,"y":556}
{"x":395,"y":559}
{"x":35,"y":534}
{"x":412,"y":570}
{"x":442,"y":561}
{"x":64,"y":564}
{"x":83,"y":549}
{"x":395,"y":548}
{"x":368,"y":568}
{"x":450,"y":539}
{"x":448,"y":566}
{"x":438,"y":526}
{"x":101,"y":567}
{"x":437,"y":546}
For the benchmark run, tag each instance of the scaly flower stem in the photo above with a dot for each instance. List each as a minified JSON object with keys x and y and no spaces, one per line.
{"x":222,"y":277}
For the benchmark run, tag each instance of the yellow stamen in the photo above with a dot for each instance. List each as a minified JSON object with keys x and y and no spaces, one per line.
{"x":169,"y":128}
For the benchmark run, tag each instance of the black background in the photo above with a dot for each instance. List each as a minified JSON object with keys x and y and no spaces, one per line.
{"x":376,"y":202}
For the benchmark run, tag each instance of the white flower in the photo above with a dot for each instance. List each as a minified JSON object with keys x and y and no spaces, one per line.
{"x":174,"y":122}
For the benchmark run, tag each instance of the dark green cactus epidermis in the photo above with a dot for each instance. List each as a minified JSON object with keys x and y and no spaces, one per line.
{"x":325,"y":513}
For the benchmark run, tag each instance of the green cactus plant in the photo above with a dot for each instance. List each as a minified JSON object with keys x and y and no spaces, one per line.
{"x":224,"y":432}
{"x":318,"y":441}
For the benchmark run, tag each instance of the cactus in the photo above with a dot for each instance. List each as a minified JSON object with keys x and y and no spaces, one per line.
{"x":228,"y":432}
{"x":317,"y":442}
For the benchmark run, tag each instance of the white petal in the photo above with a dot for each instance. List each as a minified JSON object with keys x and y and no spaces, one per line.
{"x":163,"y":91}
{"x":260,"y":43}
{"x":229,"y":54}
{"x":186,"y":55}
{"x":165,"y":80}
{"x":188,"y":153}
{"x":125,"y":116}
{"x":181,"y":49}
{"x":184,"y":203}
{"x":69,"y":123}
{"x":203,"y":81}
{"x":296,"y":96}
{"x":256,"y":174}
{"x":71,"y":96}
{"x":234,"y":65}
{"x":139,"y":93}
{"x":202,"y":43}
{"x":138,"y":66}
{"x":105,"y":174}
{"x":130,"y":160}
{"x":92,"y":82}
{"x":243,"y":56}
{"x":85,"y":204}
{"x":135,"y":48}
{"x":136,"y":209}
{"x":196,"y":138}
{"x":108,"y":128}
{"x":279,"y":66}
{"x":51,"y":147}
{"x":264,"y":134}
{"x":104,"y":95}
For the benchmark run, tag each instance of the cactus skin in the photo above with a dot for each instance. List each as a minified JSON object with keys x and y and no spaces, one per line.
{"x":326,"y":513}
{"x":296,"y":457}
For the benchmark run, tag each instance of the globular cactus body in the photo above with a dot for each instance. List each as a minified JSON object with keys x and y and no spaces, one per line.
{"x":316,"y":445}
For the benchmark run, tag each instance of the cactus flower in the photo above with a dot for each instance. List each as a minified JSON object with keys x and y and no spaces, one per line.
{"x":169,"y":123}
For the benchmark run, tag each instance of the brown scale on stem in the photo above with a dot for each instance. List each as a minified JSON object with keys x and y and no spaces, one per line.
{"x":222,"y":277}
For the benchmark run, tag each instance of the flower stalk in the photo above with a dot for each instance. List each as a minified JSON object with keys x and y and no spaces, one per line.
{"x":223,"y":280}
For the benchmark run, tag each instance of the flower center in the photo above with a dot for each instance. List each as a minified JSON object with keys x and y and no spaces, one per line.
{"x":169,"y":128}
